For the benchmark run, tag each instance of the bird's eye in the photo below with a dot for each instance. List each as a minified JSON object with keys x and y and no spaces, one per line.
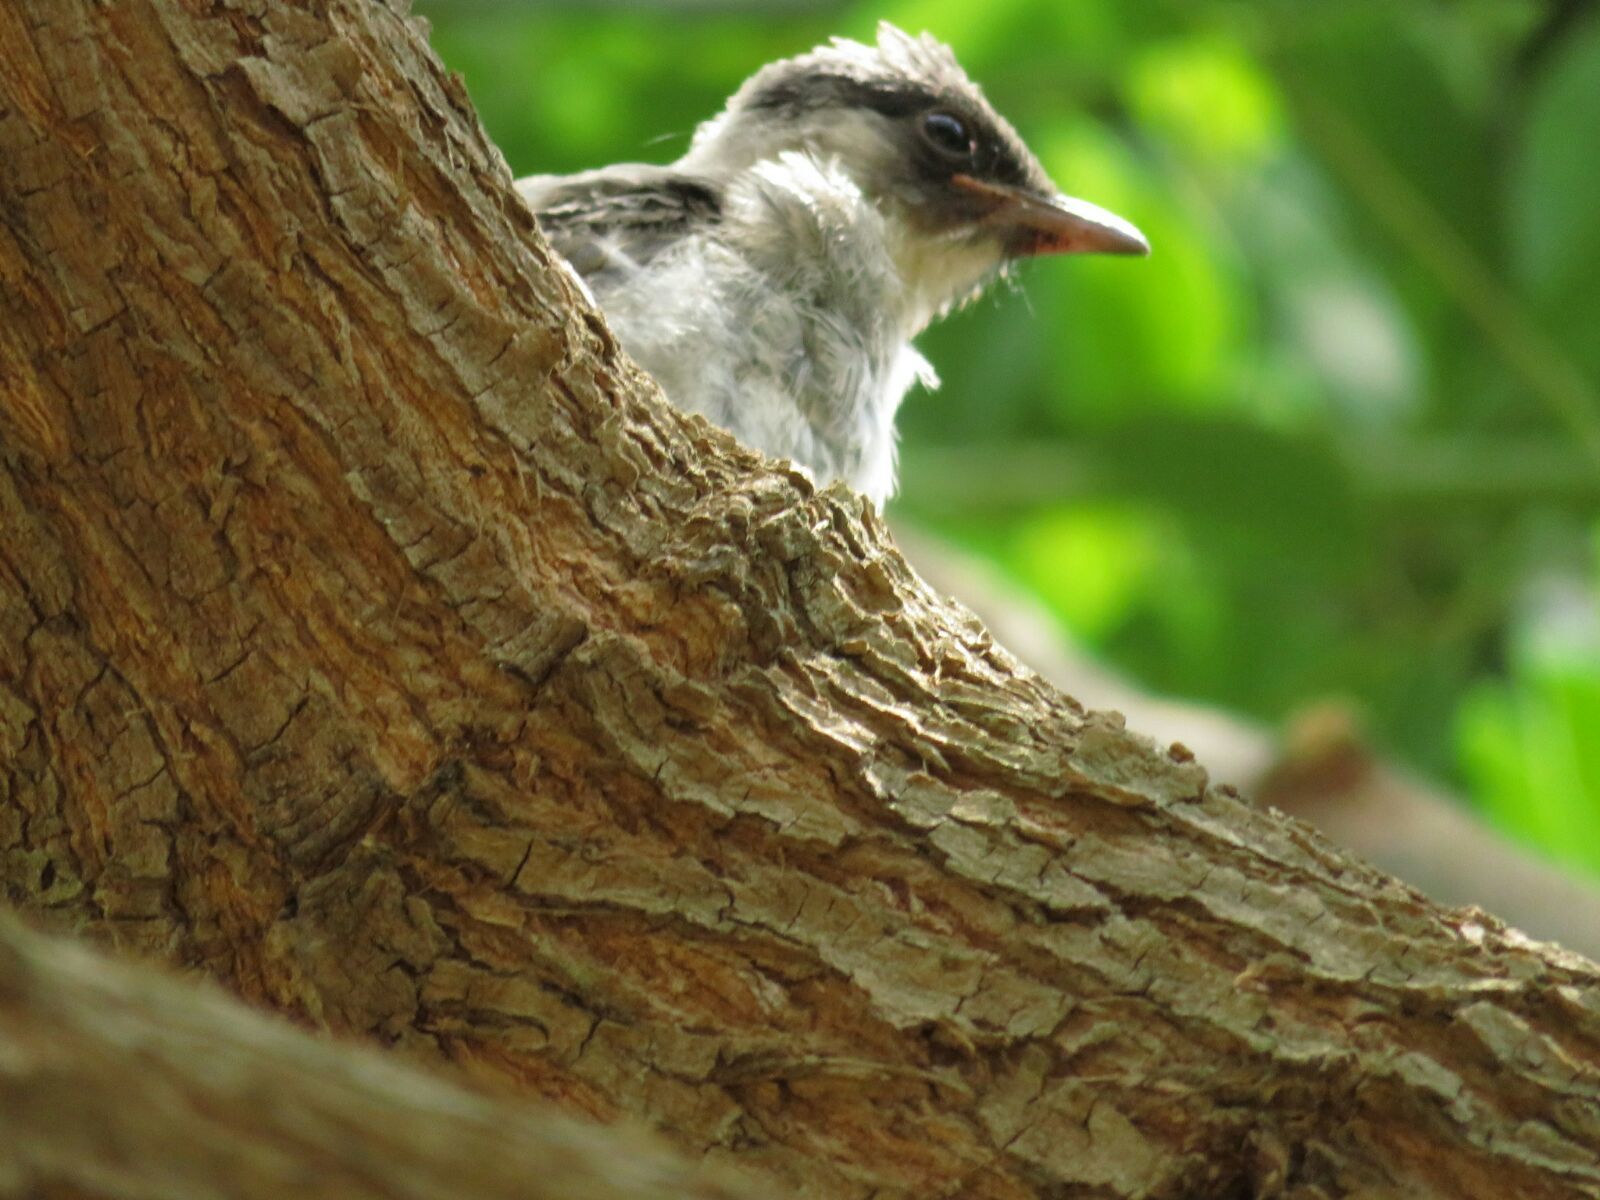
{"x":948,"y":135}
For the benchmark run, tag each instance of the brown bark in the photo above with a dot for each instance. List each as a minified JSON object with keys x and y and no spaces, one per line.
{"x":373,"y":639}
{"x":201,"y":1097}
{"x":1320,"y":768}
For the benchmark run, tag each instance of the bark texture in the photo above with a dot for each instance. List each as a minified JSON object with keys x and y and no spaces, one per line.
{"x":200,"y":1098}
{"x":1321,"y":767}
{"x":374,"y":639}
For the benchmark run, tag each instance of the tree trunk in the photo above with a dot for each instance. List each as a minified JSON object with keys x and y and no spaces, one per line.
{"x":374,"y":639}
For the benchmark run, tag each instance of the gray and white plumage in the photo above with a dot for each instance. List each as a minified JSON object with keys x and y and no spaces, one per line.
{"x":772,"y":279}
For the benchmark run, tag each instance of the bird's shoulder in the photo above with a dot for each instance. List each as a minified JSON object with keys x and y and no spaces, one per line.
{"x":630,"y":207}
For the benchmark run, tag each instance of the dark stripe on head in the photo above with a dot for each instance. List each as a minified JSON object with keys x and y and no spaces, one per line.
{"x":999,"y":156}
{"x":827,"y":89}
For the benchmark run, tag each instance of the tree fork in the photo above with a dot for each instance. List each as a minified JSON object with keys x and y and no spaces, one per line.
{"x":374,"y":639}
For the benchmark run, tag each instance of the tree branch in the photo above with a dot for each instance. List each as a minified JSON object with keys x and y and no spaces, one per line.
{"x":375,"y":639}
{"x":118,"y":1082}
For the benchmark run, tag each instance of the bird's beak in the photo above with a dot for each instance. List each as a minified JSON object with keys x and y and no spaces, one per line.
{"x":1036,"y":224}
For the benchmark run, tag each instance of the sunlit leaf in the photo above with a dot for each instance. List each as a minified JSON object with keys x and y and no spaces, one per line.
{"x":1208,"y":97}
{"x":1089,"y":562}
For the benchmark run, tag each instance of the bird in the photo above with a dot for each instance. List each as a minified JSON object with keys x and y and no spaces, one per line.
{"x":773,"y":278}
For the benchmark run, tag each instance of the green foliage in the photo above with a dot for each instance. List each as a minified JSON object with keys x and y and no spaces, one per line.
{"x":1336,"y":436}
{"x":1554,"y":198}
{"x":1529,"y":748}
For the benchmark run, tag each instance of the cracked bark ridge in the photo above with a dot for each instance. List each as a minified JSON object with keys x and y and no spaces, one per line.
{"x":375,"y":640}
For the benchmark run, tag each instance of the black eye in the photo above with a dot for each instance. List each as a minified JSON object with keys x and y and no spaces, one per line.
{"x":948,"y":135}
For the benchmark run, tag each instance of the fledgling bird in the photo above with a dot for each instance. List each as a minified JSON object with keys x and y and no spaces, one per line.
{"x":772,"y":278}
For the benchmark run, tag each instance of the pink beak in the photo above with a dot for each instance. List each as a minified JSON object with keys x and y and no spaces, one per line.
{"x":1054,"y":224}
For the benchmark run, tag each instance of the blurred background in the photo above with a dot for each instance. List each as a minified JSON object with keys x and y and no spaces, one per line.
{"x":1335,"y":447}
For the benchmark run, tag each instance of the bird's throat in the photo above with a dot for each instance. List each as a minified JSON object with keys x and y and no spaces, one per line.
{"x":936,"y":272}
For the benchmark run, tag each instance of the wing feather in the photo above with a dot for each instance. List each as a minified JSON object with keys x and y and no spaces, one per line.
{"x":630,"y":211}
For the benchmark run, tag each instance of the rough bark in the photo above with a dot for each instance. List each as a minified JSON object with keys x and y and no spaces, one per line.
{"x":1321,"y":768}
{"x":374,"y":639}
{"x":203,"y":1098}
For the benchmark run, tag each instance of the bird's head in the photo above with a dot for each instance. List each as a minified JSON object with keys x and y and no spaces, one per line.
{"x":964,"y":195}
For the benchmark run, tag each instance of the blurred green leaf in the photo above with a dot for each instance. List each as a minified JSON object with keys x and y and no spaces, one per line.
{"x":1385,"y":68}
{"x":1090,"y":562}
{"x":1208,"y":97}
{"x":1533,"y":760}
{"x":1555,"y":196}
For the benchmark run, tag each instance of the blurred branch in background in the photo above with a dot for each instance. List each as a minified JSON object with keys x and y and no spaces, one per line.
{"x":1537,"y":361}
{"x":1481,"y":472}
{"x":1337,"y":442}
{"x":1562,"y":19}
